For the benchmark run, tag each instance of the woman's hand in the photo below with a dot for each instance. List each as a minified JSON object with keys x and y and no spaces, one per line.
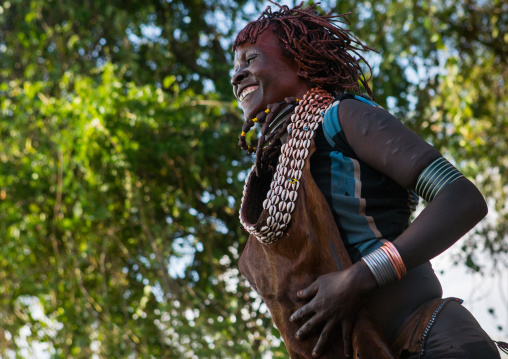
{"x":336,"y":299}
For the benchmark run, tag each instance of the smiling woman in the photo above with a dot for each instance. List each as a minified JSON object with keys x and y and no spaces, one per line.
{"x":336,"y":179}
{"x":263,"y":75}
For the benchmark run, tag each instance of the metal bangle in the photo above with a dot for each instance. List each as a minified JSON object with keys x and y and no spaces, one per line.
{"x":435,"y":177}
{"x":381,"y":267}
{"x":380,"y":259}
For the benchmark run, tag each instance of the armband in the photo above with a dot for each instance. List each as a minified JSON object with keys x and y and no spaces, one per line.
{"x":435,"y":177}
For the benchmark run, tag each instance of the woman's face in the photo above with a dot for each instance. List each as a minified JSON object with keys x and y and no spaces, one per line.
{"x":263,"y":75}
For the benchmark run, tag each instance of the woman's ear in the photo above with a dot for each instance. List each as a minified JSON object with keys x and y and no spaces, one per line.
{"x":304,"y":76}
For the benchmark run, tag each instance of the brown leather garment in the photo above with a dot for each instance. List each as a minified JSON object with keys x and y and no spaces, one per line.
{"x":313,"y":247}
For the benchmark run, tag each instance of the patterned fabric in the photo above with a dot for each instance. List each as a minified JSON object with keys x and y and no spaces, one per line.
{"x":367,"y":206}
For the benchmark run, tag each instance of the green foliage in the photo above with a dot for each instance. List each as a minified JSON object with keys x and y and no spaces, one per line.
{"x":98,"y":185}
{"x":116,"y":162}
{"x":119,"y":164}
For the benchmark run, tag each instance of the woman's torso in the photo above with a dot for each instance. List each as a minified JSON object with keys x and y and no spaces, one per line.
{"x":369,"y":207}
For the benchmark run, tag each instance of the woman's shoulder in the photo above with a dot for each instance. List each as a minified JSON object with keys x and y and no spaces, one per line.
{"x":380,"y":139}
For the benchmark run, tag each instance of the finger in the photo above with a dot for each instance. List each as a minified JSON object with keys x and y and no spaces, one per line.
{"x":323,"y":339}
{"x":302,"y":312}
{"x":308,"y":292}
{"x":308,"y":327}
{"x":347,"y":330}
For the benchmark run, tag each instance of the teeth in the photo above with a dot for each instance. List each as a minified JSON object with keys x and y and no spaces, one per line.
{"x":247,"y":91}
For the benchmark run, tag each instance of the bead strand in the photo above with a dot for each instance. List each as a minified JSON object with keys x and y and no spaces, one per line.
{"x":264,"y":154}
{"x":261,"y":118}
{"x":247,"y":126}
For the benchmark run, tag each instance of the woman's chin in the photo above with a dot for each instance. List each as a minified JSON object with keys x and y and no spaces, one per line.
{"x":249,"y":113}
{"x":251,"y":106}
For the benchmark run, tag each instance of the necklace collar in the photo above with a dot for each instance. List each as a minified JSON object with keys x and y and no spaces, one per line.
{"x":268,"y":219}
{"x":278,"y":121}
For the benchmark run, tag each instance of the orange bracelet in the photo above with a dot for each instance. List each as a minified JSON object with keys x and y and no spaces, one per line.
{"x":395,"y":258}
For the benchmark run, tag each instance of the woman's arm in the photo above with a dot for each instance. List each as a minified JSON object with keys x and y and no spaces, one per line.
{"x":384,"y":143}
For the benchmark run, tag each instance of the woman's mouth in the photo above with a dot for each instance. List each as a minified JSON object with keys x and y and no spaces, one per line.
{"x":247,"y":91}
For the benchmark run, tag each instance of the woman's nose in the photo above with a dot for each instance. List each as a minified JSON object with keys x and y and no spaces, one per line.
{"x":238,"y":77}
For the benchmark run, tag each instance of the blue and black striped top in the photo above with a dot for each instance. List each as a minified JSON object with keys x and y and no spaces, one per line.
{"x":367,"y":205}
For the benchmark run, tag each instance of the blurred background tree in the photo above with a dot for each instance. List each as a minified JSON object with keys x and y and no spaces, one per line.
{"x":120,"y":178}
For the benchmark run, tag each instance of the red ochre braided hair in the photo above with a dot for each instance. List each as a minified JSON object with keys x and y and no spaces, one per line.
{"x":327,"y":54}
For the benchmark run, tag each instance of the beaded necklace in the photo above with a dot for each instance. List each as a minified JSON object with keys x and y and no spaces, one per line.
{"x":266,"y":118}
{"x":282,"y":195}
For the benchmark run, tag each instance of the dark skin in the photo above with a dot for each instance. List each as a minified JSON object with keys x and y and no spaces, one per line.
{"x":262,"y":67}
{"x":382,"y":142}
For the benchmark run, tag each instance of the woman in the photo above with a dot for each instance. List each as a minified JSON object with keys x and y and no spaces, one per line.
{"x":335,"y":181}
